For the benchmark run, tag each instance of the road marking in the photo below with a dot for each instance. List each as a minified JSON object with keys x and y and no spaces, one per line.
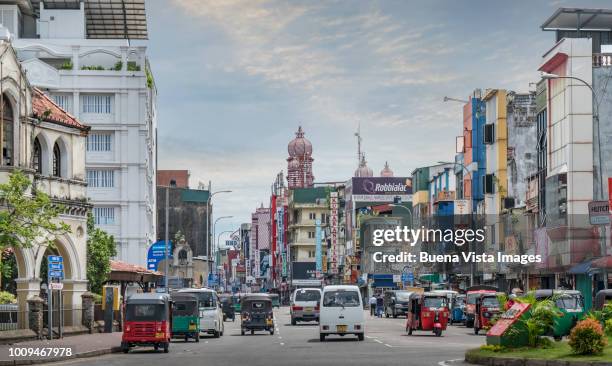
{"x":378,"y":340}
{"x":388,"y":345}
{"x":280,"y":337}
{"x":282,"y":344}
{"x":368,"y":337}
{"x":444,"y":363}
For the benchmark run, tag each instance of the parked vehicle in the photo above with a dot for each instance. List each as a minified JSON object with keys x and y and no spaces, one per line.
{"x":211,"y":315}
{"x":470,"y":307}
{"x":236,"y":301}
{"x":571,"y":305}
{"x":256,"y":314}
{"x":185,"y":316}
{"x":341,"y":312}
{"x":305,"y":305}
{"x":396,"y":302}
{"x":227,"y":306}
{"x":275,"y":300}
{"x":428,"y":312}
{"x":457,"y":309}
{"x":601,"y":298}
{"x":486,"y":308}
{"x":450,"y":294}
{"x":148,"y":319}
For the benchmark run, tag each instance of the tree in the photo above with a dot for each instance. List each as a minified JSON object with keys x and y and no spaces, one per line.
{"x":27,"y":215}
{"x":100,"y":249}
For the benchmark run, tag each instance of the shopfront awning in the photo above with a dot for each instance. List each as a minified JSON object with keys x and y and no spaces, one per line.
{"x":582,"y":268}
{"x":603,"y":262}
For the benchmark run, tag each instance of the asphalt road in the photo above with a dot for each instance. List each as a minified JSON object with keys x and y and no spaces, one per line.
{"x":386,"y":343}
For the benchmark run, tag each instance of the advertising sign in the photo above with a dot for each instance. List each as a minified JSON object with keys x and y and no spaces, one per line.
{"x":157,"y":253}
{"x":381,"y":189}
{"x":333,"y":231}
{"x":462,"y":207}
{"x":319,"y":249}
{"x":304,"y":273}
{"x":599,"y":212}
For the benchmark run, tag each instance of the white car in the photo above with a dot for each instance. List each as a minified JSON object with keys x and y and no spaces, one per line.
{"x":341,"y":312}
{"x":305,"y":305}
{"x":211,"y":314}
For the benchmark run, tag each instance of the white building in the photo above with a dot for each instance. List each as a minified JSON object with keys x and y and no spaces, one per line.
{"x":95,"y":67}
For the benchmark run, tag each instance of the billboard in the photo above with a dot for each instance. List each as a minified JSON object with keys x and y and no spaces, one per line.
{"x":381,"y":189}
{"x":333,"y":230}
{"x":304,"y":271}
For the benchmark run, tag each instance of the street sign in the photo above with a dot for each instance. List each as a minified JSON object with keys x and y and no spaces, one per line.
{"x":56,"y":266}
{"x":55,"y":258}
{"x":56,"y":274}
{"x":56,"y":285}
{"x":157,"y":253}
{"x":599,"y":212}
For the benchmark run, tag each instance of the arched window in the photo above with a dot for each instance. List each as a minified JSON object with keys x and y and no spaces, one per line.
{"x":6,"y":134}
{"x":57,"y":161}
{"x":37,"y":156}
{"x":182,"y":256}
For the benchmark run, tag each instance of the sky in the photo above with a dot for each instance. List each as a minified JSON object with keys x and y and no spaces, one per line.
{"x":235,"y":79}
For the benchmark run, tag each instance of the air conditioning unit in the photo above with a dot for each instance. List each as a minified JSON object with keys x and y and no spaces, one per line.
{"x":509,"y":202}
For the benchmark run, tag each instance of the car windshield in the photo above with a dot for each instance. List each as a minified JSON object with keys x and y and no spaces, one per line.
{"x":145,"y":312}
{"x":434,"y":302}
{"x":341,"y":298}
{"x":184,"y":308}
{"x":471,"y":298}
{"x":207,"y":299}
{"x":569,"y":302}
{"x":307,"y":295}
{"x":490,"y":302}
{"x":402,"y":295}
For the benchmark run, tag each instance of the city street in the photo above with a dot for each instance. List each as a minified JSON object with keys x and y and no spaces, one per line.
{"x":386,"y":343}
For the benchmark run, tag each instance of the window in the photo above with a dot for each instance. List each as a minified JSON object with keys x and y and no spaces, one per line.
{"x":341,"y":298}
{"x":64,"y":101}
{"x":312,"y":216}
{"x":37,"y":156}
{"x":101,"y":104}
{"x":104,"y":215}
{"x":311,"y":235}
{"x":312,"y":254}
{"x":324,"y":219}
{"x":489,"y":134}
{"x":99,"y":142}
{"x":488,"y":184}
{"x":7,"y":17}
{"x":57,"y":161}
{"x":101,"y":178}
{"x":7,"y":134}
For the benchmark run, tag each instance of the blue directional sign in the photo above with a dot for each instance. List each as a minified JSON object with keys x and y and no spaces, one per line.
{"x":157,"y":253}
{"x":56,"y":266}
{"x":56,"y":274}
{"x":55,"y":258}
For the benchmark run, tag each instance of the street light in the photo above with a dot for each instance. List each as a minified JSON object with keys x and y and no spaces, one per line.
{"x":447,"y":99}
{"x":214,"y":229}
{"x":208,"y":201}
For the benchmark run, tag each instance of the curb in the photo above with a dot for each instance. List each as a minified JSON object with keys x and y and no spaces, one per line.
{"x":509,"y":361}
{"x":87,"y":354}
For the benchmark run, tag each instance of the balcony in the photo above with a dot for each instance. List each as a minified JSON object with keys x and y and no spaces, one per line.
{"x":444,"y":196}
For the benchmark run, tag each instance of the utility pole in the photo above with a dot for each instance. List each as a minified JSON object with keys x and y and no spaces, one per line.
{"x":166,"y":239}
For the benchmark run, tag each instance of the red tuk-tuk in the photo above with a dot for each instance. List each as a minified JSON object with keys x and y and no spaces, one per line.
{"x":472,"y":294}
{"x":148,"y":321}
{"x":427,"y":311}
{"x":487,"y":307}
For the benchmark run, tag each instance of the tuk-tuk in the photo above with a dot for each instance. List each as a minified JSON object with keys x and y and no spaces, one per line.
{"x":427,"y":311}
{"x":148,"y":319}
{"x":472,"y":294}
{"x":256,"y":313}
{"x":185,"y":316}
{"x":457,"y":309}
{"x":275,"y":300}
{"x":450,"y":294}
{"x":601,"y":298}
{"x":227,"y":305}
{"x":571,"y":305}
{"x":487,"y":306}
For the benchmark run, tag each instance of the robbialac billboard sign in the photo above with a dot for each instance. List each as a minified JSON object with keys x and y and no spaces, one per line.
{"x":381,"y":189}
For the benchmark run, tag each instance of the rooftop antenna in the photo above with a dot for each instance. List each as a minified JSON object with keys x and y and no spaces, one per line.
{"x":358,"y":135}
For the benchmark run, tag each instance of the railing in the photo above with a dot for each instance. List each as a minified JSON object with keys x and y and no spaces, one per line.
{"x":602,"y":59}
{"x":9,"y":314}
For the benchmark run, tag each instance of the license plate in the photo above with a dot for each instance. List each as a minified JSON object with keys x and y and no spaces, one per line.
{"x":308,"y":309}
{"x":269,"y":322}
{"x":159,"y":335}
{"x":341,"y":328}
{"x":192,"y":327}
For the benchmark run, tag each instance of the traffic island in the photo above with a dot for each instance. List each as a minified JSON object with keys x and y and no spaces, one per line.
{"x":559,"y":354}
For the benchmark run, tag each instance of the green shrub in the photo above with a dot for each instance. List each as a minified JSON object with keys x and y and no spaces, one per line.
{"x":492,"y":348}
{"x":132,"y":66}
{"x":7,"y":298}
{"x":587,"y":338}
{"x":118,"y":66}
{"x":66,"y":65}
{"x":608,"y":327}
{"x":92,"y":67}
{"x":97,"y":298}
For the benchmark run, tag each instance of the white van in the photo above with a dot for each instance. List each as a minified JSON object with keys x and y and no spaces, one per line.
{"x":341,"y":312}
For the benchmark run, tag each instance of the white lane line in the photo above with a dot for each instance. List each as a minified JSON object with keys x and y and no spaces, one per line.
{"x":378,"y":340}
{"x":368,"y":337}
{"x":388,"y":345}
{"x":445,"y":363}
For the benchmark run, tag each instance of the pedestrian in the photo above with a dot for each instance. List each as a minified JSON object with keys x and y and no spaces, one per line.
{"x":379,"y":305}
{"x":372,"y":303}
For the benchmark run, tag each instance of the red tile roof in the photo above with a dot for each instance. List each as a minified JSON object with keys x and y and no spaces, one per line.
{"x":120,"y":266}
{"x":45,"y":108}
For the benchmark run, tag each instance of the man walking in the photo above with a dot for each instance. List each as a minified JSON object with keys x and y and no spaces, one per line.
{"x":372,"y":303}
{"x":379,"y":305}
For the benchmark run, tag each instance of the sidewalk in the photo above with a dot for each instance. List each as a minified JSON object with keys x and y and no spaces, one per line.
{"x":82,"y":346}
